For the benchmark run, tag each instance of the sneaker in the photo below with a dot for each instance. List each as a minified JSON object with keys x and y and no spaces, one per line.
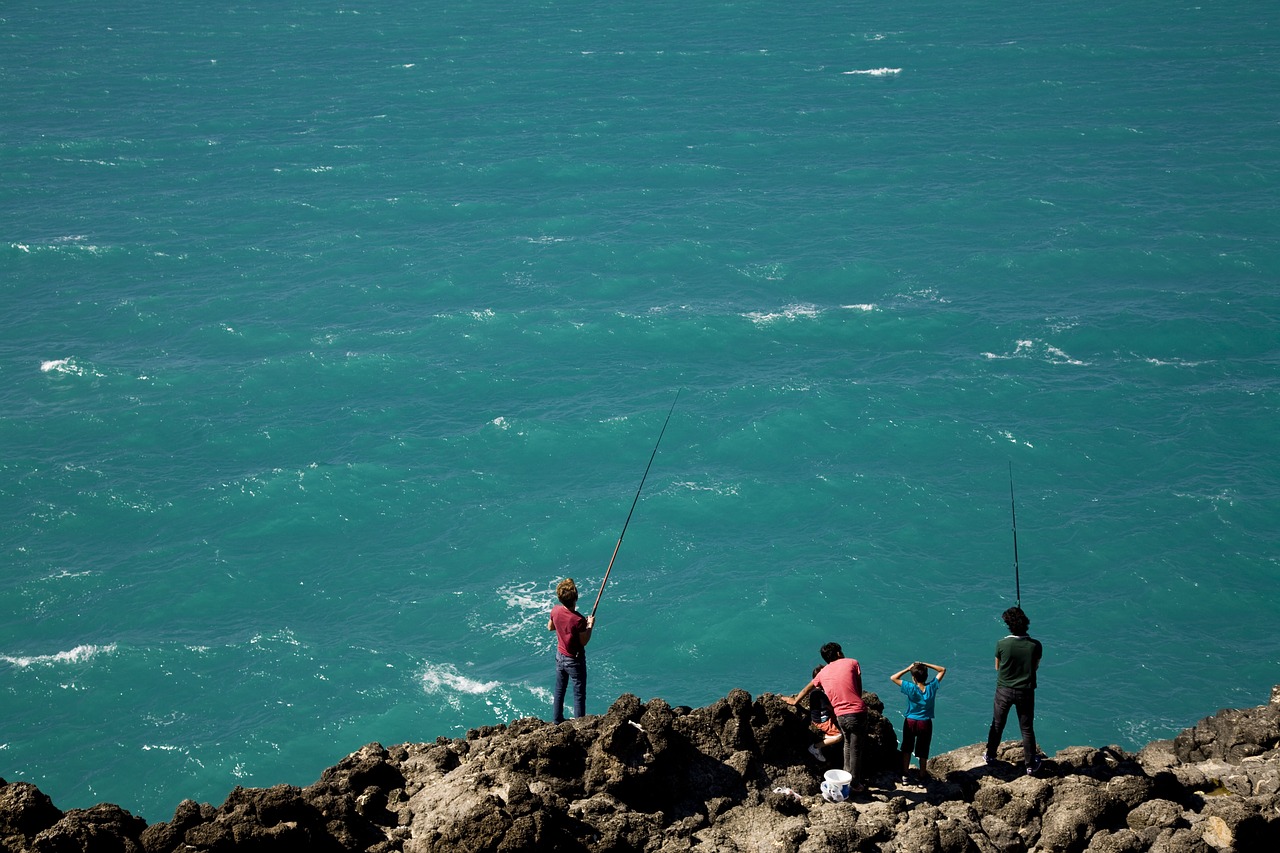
{"x":905,"y":781}
{"x":815,"y":752}
{"x":986,"y":759}
{"x":1034,"y":766}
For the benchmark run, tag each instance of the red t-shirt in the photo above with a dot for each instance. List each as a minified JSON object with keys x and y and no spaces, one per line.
{"x":841,"y":680}
{"x":568,"y":623}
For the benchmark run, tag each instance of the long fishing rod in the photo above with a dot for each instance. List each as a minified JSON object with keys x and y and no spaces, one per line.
{"x":1013,"y":511}
{"x":633,"y":504}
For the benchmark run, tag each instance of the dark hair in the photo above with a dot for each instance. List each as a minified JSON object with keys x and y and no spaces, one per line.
{"x":567,"y":592}
{"x":919,"y":673}
{"x":816,"y":670}
{"x":831,"y":652}
{"x":1016,"y":620}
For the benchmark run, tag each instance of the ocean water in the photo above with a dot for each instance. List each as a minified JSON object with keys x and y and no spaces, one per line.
{"x":332,"y":336}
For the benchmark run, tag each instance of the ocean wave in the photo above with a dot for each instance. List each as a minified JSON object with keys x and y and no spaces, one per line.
{"x":1036,"y":349}
{"x":70,"y":243}
{"x":67,"y":366}
{"x":1008,"y":436}
{"x":284,"y":636}
{"x":444,"y":679}
{"x":714,"y":488}
{"x":1173,"y":362}
{"x":532,"y":602}
{"x":79,"y":654}
{"x":464,"y":695}
{"x":790,"y":312}
{"x":877,"y":72}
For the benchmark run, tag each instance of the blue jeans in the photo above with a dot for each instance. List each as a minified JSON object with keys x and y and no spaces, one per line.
{"x":1024,"y":699}
{"x":575,"y":670}
{"x":853,"y":727}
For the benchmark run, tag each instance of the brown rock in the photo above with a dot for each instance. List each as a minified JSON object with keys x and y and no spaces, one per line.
{"x":25,"y":811}
{"x":105,"y":828}
{"x":650,"y":778}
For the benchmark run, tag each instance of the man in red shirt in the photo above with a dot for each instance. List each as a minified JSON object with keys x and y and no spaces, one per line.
{"x":841,"y":680}
{"x":573,"y":632}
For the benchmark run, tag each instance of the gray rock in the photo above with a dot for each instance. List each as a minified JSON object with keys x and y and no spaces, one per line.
{"x":650,"y":778}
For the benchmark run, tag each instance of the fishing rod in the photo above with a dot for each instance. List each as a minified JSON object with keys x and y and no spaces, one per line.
{"x":633,"y":504}
{"x":1013,"y":511}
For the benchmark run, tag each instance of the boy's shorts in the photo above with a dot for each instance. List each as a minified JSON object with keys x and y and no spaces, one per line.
{"x":828,"y":728}
{"x":917,"y":735}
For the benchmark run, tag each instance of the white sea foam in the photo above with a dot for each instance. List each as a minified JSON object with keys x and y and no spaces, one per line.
{"x":877,"y":72}
{"x":790,"y":312}
{"x":445,"y":679}
{"x":1175,"y":362}
{"x":59,"y":365}
{"x":1030,"y":349}
{"x":67,"y":573}
{"x":68,"y":367}
{"x":1061,"y":357}
{"x":79,"y":654}
{"x":531,"y":602}
{"x":713,"y":488}
{"x":284,"y":636}
{"x":1014,"y":439}
{"x":866,"y":306}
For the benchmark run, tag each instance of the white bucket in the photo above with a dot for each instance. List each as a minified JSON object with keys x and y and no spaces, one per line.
{"x":835,"y":786}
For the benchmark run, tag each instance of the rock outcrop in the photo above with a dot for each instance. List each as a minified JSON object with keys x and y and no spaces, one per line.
{"x":733,"y":776}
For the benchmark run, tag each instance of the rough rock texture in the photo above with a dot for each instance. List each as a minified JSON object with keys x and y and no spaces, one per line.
{"x":734,"y":776}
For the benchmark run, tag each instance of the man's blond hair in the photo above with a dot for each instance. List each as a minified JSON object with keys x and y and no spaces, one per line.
{"x":567,"y":592}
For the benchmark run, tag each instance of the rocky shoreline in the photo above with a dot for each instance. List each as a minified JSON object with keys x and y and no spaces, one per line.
{"x":733,"y":776}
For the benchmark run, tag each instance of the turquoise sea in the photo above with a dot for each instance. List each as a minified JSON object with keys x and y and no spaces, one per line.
{"x":333,"y":335}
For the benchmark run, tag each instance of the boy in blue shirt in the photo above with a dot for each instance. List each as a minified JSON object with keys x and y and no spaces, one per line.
{"x":917,"y":728}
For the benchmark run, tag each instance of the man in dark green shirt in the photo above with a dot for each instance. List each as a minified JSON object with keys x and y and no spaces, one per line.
{"x":1017,"y":659}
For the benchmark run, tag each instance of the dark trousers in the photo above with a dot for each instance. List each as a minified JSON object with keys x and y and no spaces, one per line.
{"x":1024,"y":700}
{"x":575,"y":670}
{"x":854,"y":728}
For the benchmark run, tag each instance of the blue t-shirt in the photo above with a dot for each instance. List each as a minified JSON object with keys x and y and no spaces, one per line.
{"x":919,"y":702}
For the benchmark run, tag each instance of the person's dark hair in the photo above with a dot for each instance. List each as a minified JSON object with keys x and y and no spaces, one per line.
{"x":831,"y":652}
{"x":567,"y":592}
{"x":1016,"y":620}
{"x":919,"y":673}
{"x":816,"y":670}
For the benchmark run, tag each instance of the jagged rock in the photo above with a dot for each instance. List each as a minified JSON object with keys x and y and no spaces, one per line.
{"x":1078,"y":810}
{"x":1231,"y":735}
{"x":733,"y":776}
{"x":105,"y":828}
{"x":1149,"y":818}
{"x":1234,"y":823}
{"x":25,"y":811}
{"x":164,"y":837}
{"x":1120,"y":841}
{"x":1181,"y":840}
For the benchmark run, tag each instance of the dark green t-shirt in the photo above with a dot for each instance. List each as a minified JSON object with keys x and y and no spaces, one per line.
{"x":1018,"y":658}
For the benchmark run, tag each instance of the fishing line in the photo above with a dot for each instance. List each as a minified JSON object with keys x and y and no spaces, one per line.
{"x":1013,"y":511}
{"x":633,"y":504}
